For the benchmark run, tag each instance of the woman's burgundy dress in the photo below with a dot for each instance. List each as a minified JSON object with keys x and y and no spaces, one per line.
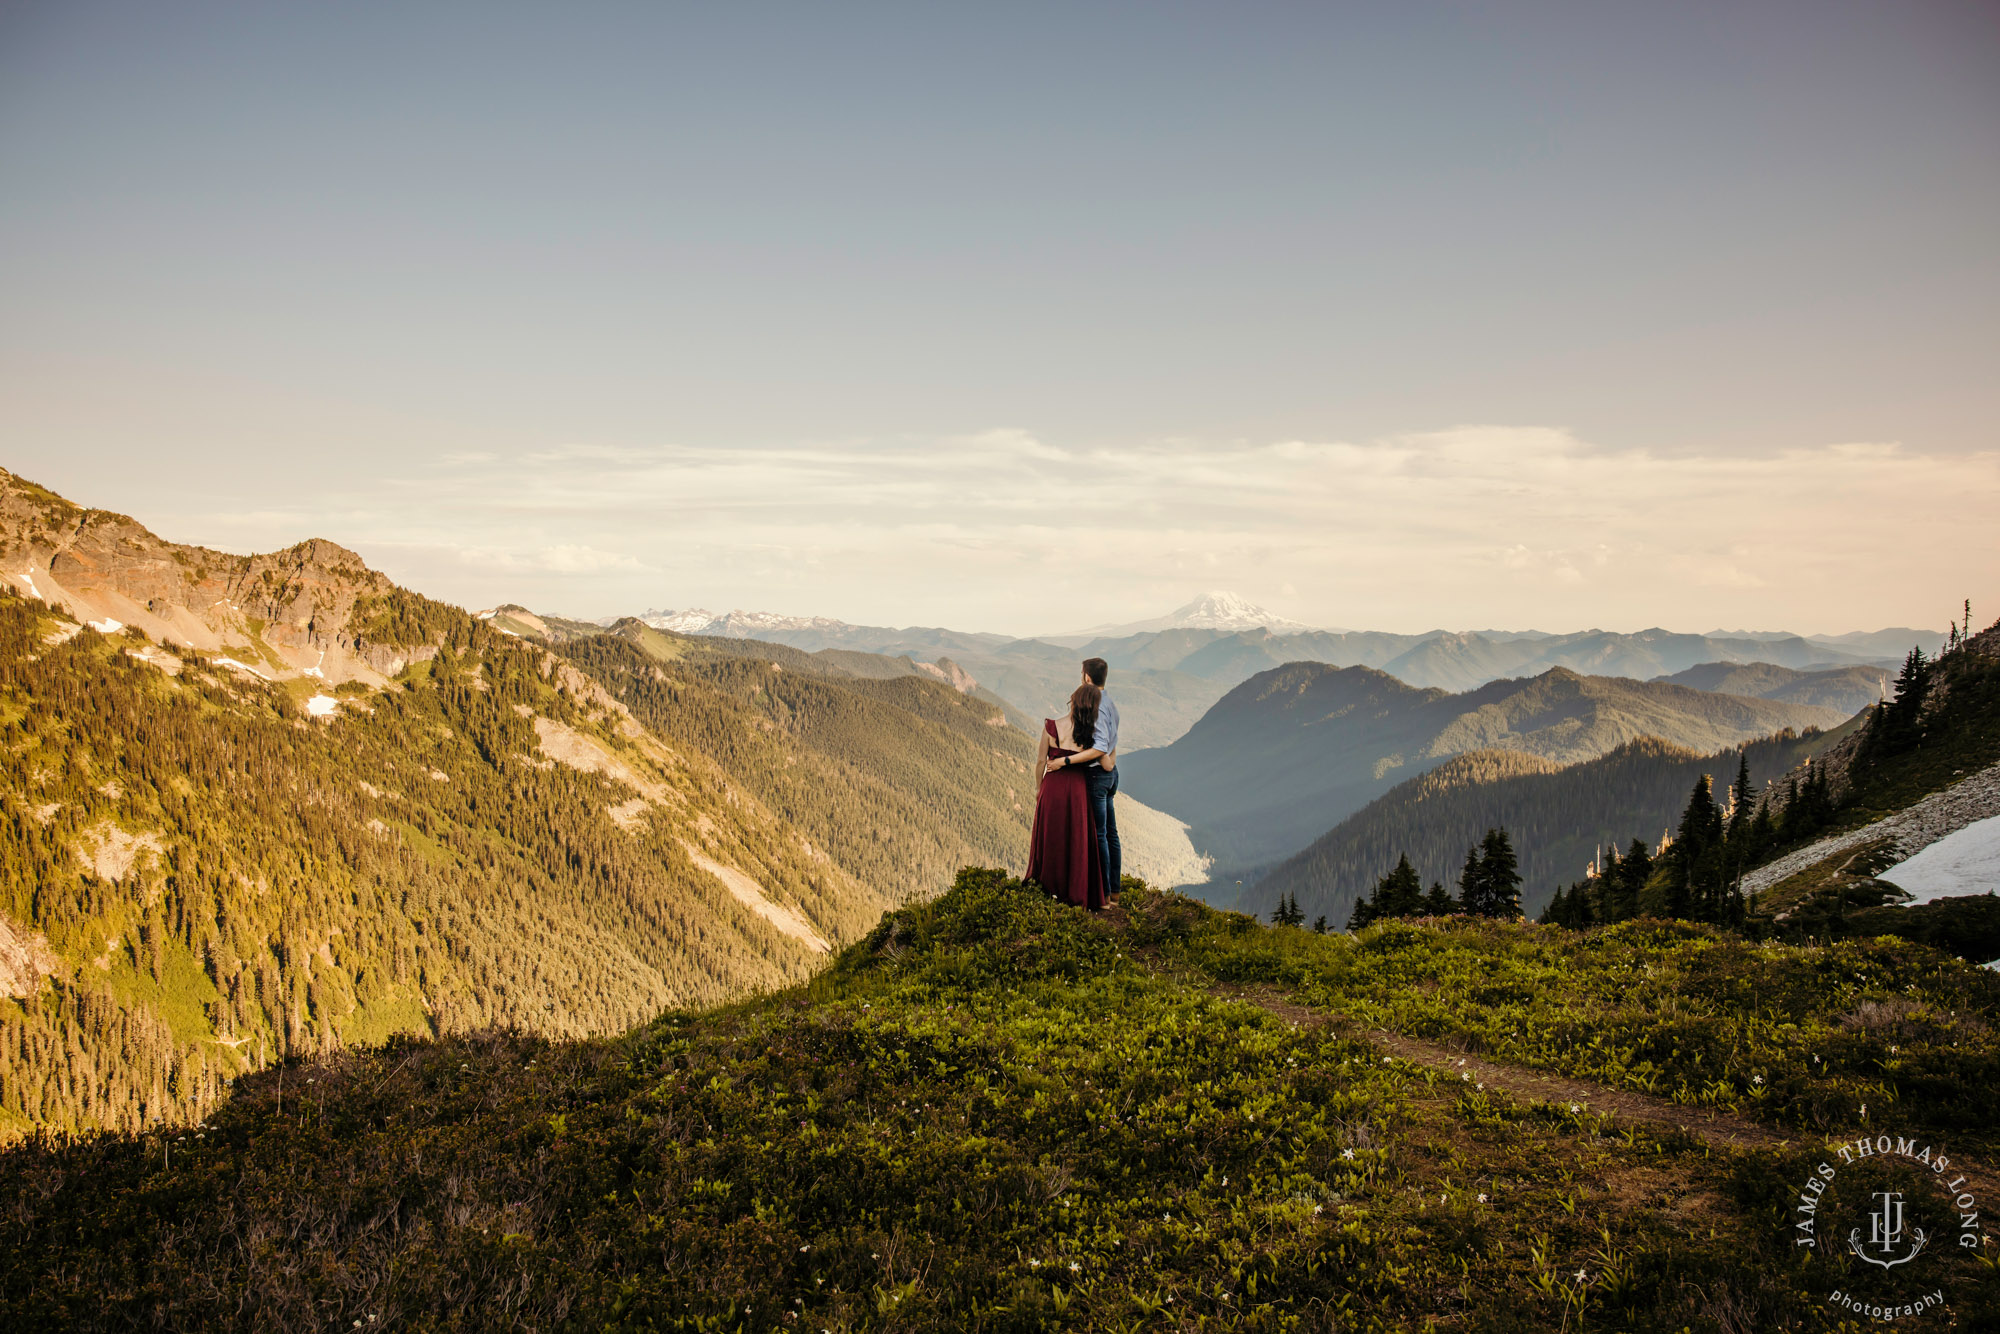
{"x":1062,"y":853}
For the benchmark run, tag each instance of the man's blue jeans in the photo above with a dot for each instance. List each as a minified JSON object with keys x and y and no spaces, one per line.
{"x":1102,"y":787}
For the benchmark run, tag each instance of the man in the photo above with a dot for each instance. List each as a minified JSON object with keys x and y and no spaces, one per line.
{"x":1100,"y":777}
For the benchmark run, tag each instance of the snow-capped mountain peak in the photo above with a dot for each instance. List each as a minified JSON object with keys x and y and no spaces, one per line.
{"x":1225,"y":611}
{"x":1211,"y":611}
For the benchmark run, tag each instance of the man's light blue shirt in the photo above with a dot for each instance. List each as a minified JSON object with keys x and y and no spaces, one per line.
{"x":1105,"y":735}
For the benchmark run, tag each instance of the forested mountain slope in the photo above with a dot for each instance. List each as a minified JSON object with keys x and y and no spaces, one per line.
{"x":268,"y":805}
{"x":1558,"y":818}
{"x":1290,"y":753}
{"x":1030,"y":676}
{"x":212,"y":876}
{"x":899,"y":780}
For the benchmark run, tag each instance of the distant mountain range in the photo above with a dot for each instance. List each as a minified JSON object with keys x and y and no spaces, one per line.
{"x":1558,"y":818}
{"x":1170,"y":669}
{"x":1845,"y":689}
{"x":1290,"y":753}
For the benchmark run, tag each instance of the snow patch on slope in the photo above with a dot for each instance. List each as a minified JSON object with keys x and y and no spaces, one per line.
{"x":1967,"y":862}
{"x":1941,"y":813}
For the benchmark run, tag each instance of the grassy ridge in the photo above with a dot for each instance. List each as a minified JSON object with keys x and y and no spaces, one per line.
{"x":989,"y":1115}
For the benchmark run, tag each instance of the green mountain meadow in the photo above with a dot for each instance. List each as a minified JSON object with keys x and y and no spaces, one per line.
{"x":996,"y":1113}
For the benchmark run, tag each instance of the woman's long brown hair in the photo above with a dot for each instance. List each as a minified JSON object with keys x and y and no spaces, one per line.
{"x":1083,"y":716}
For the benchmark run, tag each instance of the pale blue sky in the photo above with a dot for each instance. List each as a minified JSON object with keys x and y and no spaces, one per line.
{"x":1024,"y":317}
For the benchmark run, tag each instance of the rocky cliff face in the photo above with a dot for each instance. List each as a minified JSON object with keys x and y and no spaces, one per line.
{"x":314,"y":609}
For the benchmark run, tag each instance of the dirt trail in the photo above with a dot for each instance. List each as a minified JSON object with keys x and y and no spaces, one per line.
{"x":1719,"y":1128}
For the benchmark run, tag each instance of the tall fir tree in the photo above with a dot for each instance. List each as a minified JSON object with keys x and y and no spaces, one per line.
{"x":1635,"y":868}
{"x":1500,"y":875}
{"x":1471,"y":886}
{"x":1694,"y":866}
{"x":1397,"y":894}
{"x":1743,"y":797}
{"x":1438,"y":902}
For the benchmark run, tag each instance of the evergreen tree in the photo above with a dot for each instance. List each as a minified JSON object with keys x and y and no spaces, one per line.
{"x":1570,"y":907}
{"x":1694,"y":862}
{"x":1397,"y":894}
{"x":1472,"y":885}
{"x":1500,"y":876}
{"x":1400,"y":893}
{"x":1363,"y":914}
{"x":1319,"y":925}
{"x":1438,"y":903}
{"x":1490,"y":883}
{"x":1745,"y":798}
{"x":1635,"y":868}
{"x":1897,"y":726}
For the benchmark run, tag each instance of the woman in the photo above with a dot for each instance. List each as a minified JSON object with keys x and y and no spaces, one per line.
{"x":1062,"y":853}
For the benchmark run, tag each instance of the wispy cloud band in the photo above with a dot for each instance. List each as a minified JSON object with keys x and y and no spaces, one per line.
{"x":1478,"y":525}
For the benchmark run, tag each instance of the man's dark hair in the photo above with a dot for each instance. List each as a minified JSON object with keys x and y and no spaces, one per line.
{"x":1096,"y":669}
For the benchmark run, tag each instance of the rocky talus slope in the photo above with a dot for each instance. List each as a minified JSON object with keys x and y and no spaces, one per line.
{"x":1974,"y":798}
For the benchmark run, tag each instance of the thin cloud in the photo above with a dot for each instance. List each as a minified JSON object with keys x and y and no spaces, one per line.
{"x":1475,"y":525}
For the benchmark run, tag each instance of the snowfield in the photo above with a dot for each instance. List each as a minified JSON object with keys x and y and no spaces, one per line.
{"x":319,"y":706}
{"x":1966,"y":862}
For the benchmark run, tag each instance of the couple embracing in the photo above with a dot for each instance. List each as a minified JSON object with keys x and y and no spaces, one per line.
{"x":1073,"y":854}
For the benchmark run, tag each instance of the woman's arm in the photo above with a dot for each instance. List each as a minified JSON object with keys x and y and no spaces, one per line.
{"x":1041,"y":756}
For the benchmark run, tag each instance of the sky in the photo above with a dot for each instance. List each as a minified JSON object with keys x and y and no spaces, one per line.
{"x":1025,"y":317}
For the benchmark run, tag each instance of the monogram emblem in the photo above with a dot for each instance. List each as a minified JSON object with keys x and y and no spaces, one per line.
{"x":1885,"y":1233}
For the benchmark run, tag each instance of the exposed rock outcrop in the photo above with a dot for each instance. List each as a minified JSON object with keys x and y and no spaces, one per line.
{"x":25,"y":959}
{"x":303,"y":611}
